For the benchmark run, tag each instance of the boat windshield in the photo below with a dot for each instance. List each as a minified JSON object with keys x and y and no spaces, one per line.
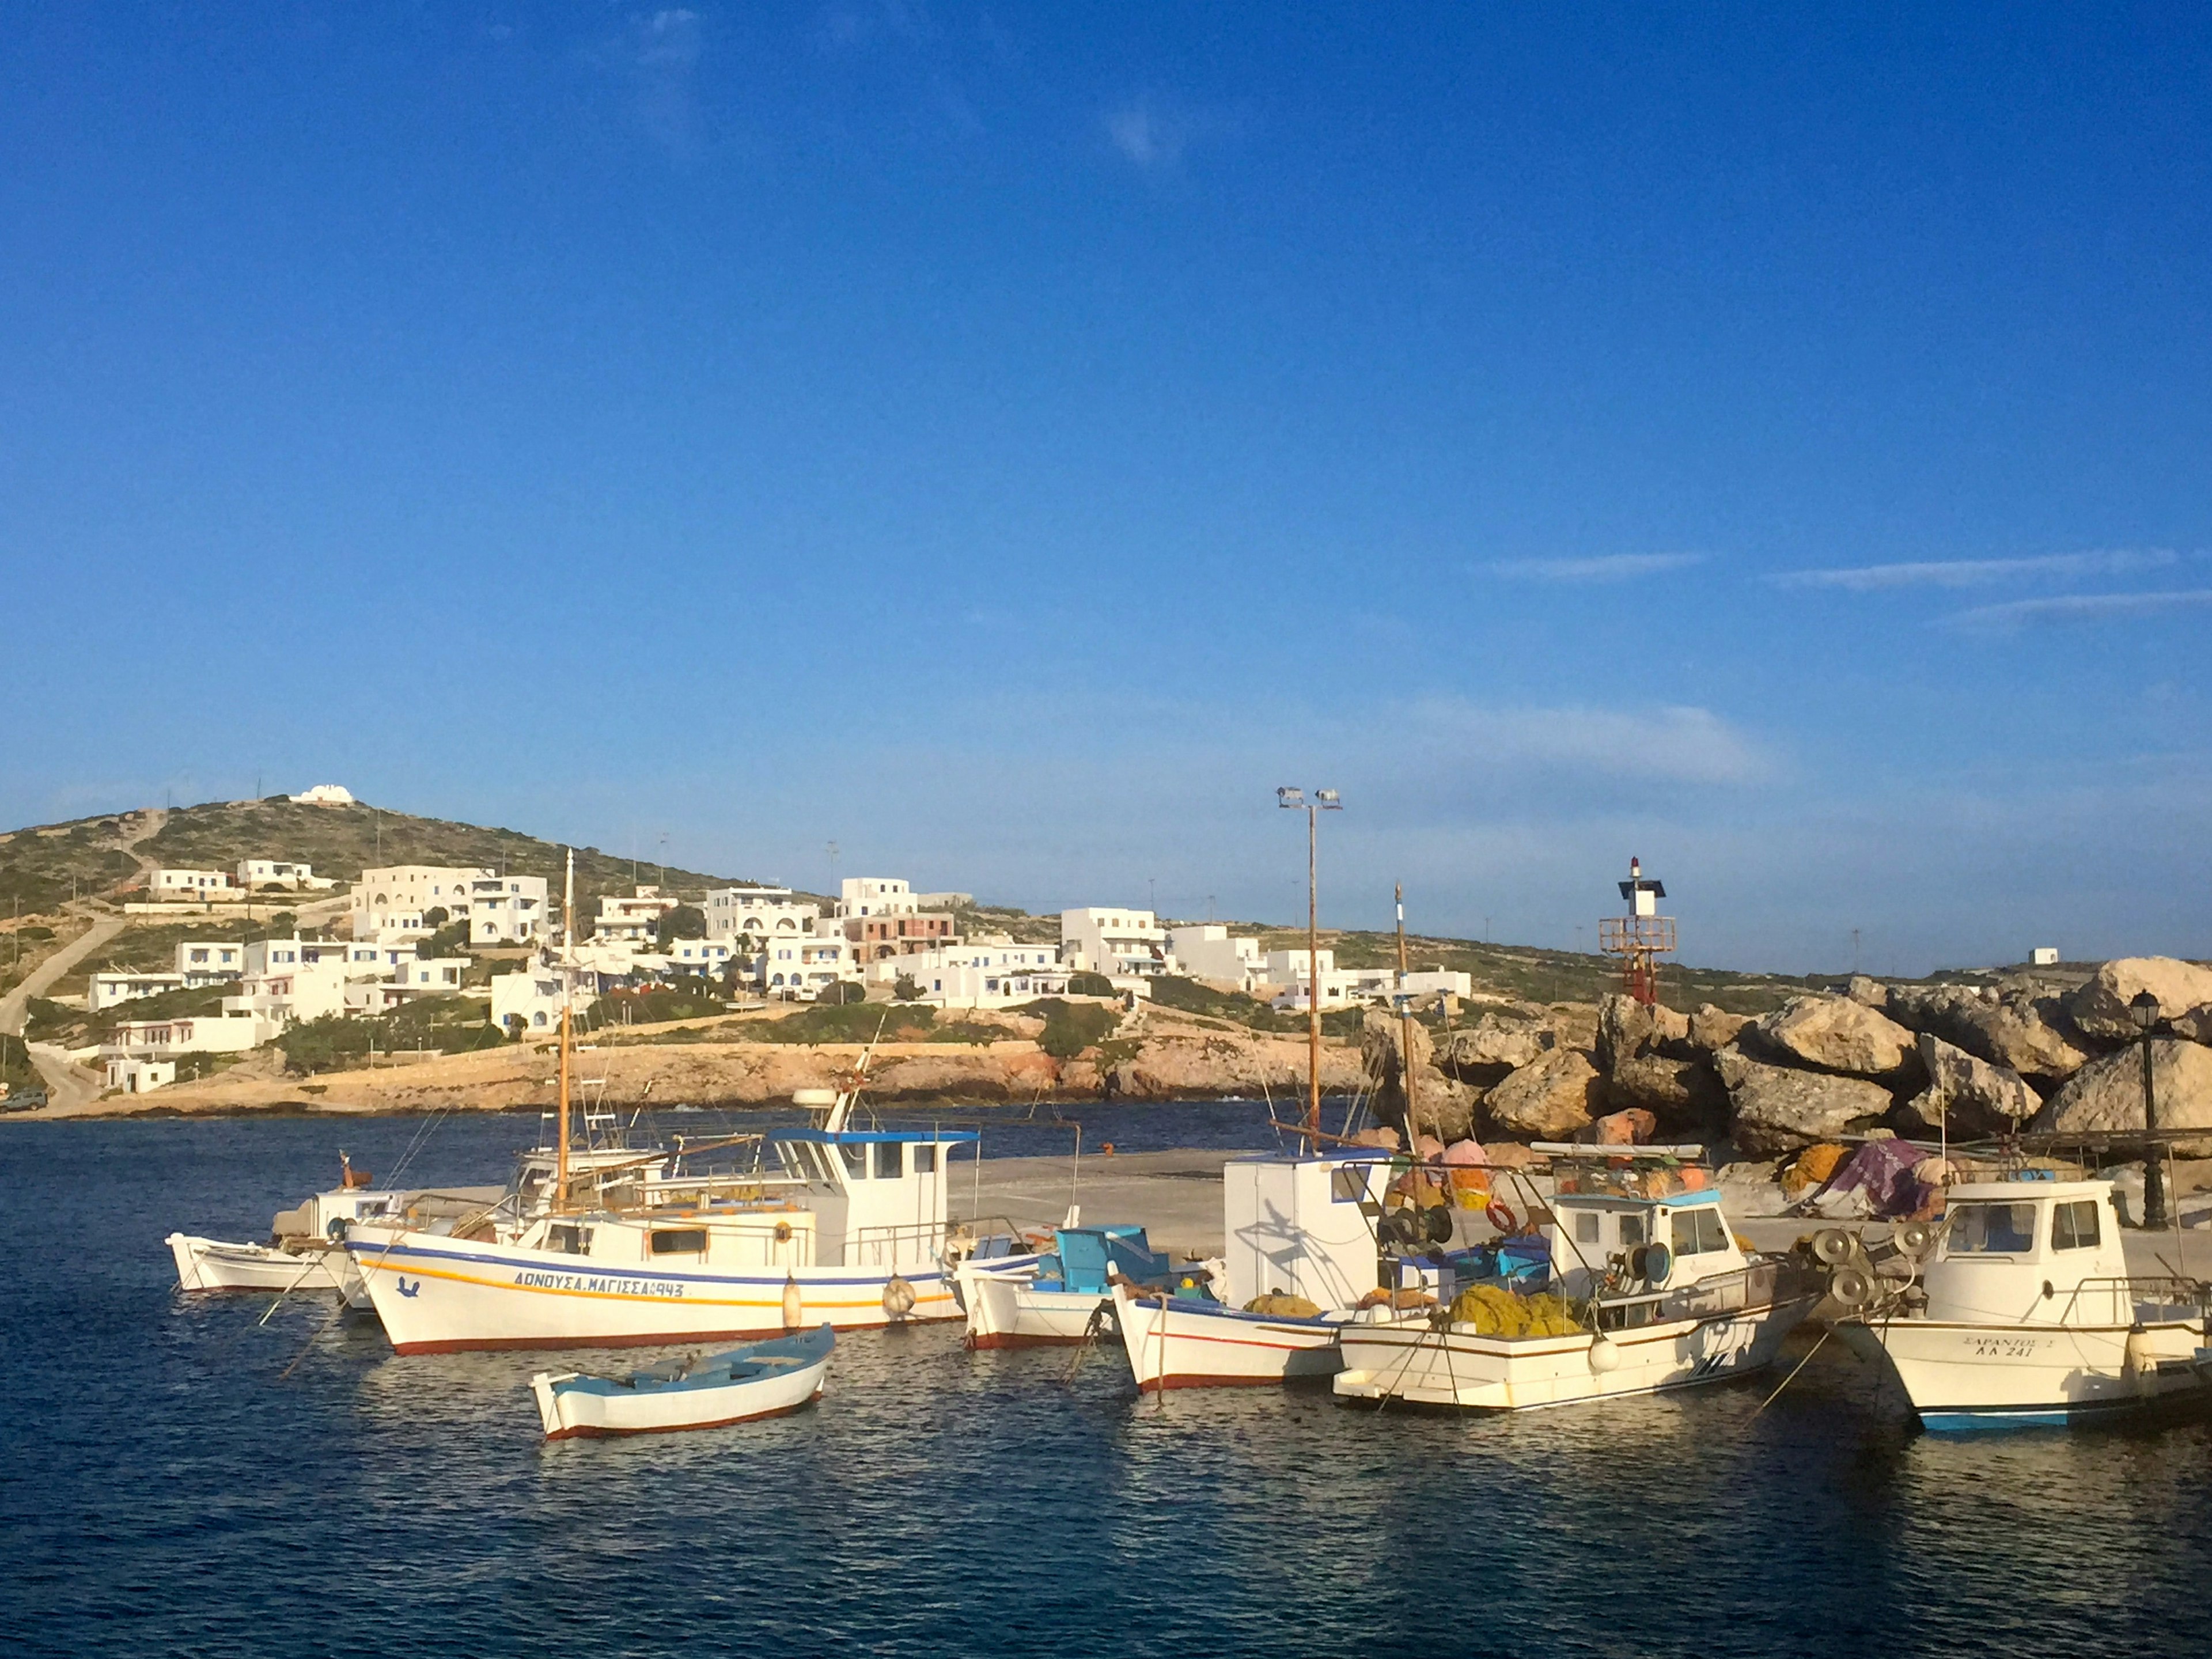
{"x":1992,"y":1228}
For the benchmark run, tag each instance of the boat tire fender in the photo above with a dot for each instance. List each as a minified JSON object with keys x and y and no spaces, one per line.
{"x":1499,"y":1214}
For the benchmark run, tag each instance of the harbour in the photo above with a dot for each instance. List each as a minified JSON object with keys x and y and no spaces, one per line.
{"x":326,"y":1478}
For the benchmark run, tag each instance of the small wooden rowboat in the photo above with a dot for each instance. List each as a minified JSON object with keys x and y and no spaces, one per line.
{"x":761,"y":1379}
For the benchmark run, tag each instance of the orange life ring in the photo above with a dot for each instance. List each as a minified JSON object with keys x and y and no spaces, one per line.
{"x":1499,"y":1214}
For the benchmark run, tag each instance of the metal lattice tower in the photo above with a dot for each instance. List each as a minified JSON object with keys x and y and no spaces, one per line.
{"x":1640,"y":938}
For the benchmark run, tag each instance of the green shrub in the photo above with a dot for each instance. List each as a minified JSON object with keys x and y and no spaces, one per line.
{"x":1071,"y":1027}
{"x":907,"y":989}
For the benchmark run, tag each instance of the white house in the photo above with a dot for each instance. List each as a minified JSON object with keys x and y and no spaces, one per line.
{"x":110,"y":986}
{"x":411,"y":981}
{"x":166,"y":884}
{"x":708,"y":958}
{"x":1428,"y":982}
{"x":210,"y":961}
{"x":634,"y":918}
{"x":876,"y":895}
{"x":393,"y":898}
{"x":290,"y":993}
{"x":531,"y":998}
{"x":325,"y":794}
{"x":506,"y":909}
{"x":1107,"y":941}
{"x":758,"y":911}
{"x":198,"y":1034}
{"x":278,"y":873}
{"x":802,"y":967}
{"x":138,"y":1077}
{"x":1205,"y":950}
{"x":979,"y":975}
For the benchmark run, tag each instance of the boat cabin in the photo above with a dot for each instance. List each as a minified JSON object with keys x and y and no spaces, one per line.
{"x":1637,"y":1226}
{"x":842,"y":1198}
{"x":1303,"y":1225}
{"x":2029,"y":1250}
{"x":1084,"y":1261}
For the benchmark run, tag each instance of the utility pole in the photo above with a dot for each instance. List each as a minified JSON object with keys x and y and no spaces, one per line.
{"x":1855,"y":952}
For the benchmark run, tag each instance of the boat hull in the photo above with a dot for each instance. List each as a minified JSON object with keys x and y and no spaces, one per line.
{"x":1175,"y":1344}
{"x":571,"y":1406}
{"x":439,"y":1295}
{"x":1967,"y":1377}
{"x":1412,"y":1363}
{"x":1009,"y":1312}
{"x":214,"y":1265}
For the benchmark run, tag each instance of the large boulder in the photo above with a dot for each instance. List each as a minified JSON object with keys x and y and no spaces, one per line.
{"x":1681,"y":1093}
{"x":2108,"y":1093}
{"x":1548,"y":1099}
{"x":2101,"y":1007}
{"x":1972,"y":1096}
{"x":2195,"y":1024}
{"x":1835,"y":1034}
{"x":1495,"y":1044}
{"x":1713,"y":1029}
{"x":1624,"y":1030}
{"x":1778,"y":1110}
{"x":2017,"y":1029}
{"x":1444,"y":1106}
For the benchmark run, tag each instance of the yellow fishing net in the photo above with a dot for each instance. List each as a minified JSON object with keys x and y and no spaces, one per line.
{"x":1279,"y":1306}
{"x":1493,"y":1311}
{"x":1813,"y":1167}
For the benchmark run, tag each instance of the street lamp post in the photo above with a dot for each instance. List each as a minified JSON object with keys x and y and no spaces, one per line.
{"x":1324,"y":800}
{"x":2144,"y":1009}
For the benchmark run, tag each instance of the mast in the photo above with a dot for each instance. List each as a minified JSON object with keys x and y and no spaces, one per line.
{"x":568,"y":996}
{"x":1313,"y":974}
{"x":1405,"y":1028}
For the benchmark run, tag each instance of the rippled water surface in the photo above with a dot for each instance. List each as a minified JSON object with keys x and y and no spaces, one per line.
{"x":165,"y":1487}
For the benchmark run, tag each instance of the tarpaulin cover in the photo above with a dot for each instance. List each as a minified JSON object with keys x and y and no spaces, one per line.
{"x":1884,"y":1170}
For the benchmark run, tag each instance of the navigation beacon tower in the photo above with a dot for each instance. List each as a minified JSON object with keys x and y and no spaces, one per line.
{"x":1640,"y":938}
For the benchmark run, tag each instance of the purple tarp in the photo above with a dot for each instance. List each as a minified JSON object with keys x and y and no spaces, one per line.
{"x":1883,"y":1171}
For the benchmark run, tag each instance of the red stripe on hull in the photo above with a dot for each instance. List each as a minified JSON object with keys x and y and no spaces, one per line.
{"x":682,"y":1428}
{"x":1190,"y":1380}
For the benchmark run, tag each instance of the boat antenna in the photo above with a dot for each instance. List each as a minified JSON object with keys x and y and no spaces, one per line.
{"x":568,"y":996}
{"x":846,"y":1097}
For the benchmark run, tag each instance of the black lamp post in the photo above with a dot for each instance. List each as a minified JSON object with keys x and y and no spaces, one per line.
{"x":2144,"y":1009}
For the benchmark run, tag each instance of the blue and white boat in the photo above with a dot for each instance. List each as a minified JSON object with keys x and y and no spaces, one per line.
{"x":1064,"y":1294}
{"x":763,"y":1379}
{"x":829,"y":1223}
{"x":2024,"y":1314}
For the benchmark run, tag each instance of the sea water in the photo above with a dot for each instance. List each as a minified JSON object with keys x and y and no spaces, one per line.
{"x":178,"y":1476}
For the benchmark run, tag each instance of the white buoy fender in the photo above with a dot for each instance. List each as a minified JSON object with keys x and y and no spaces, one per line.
{"x":898,"y":1297}
{"x":794,"y":1304}
{"x":2138,"y":1365}
{"x":1604,"y":1354}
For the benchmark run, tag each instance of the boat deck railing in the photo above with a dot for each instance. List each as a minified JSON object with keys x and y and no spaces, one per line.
{"x":918,"y":1244}
{"x":2156,"y":1299}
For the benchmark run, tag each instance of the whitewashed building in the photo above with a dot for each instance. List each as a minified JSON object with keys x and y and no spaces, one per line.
{"x":1205,"y":950}
{"x":801,"y":969}
{"x":1100,"y":940}
{"x":636,"y":918}
{"x":876,"y":895}
{"x":531,"y":998}
{"x":992,"y":974}
{"x":761,"y":913}
{"x":279,"y":872}
{"x":706,"y":959}
{"x":506,"y":910}
{"x":210,"y":961}
{"x":168,"y":883}
{"x":110,"y":986}
{"x":393,"y":898}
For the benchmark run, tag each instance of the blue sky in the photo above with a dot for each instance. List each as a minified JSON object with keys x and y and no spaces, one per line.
{"x":1008,"y":443}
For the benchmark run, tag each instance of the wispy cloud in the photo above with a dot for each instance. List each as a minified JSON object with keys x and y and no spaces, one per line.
{"x":1980,"y":573}
{"x":1606,"y":567}
{"x":1674,"y":744}
{"x":1152,"y":132}
{"x":659,"y":52}
{"x":2078,"y":607}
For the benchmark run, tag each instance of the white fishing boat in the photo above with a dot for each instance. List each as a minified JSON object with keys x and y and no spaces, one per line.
{"x":1063,"y":1295}
{"x":2023,"y":1314}
{"x":1649,"y":1289}
{"x":1300,"y":1256}
{"x":764,"y":1379}
{"x":305,"y":1251}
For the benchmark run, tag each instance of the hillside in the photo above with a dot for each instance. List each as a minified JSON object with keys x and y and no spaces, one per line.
{"x":43,"y":866}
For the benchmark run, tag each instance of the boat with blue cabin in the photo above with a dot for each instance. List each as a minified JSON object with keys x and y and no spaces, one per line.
{"x":1064,"y":1294}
